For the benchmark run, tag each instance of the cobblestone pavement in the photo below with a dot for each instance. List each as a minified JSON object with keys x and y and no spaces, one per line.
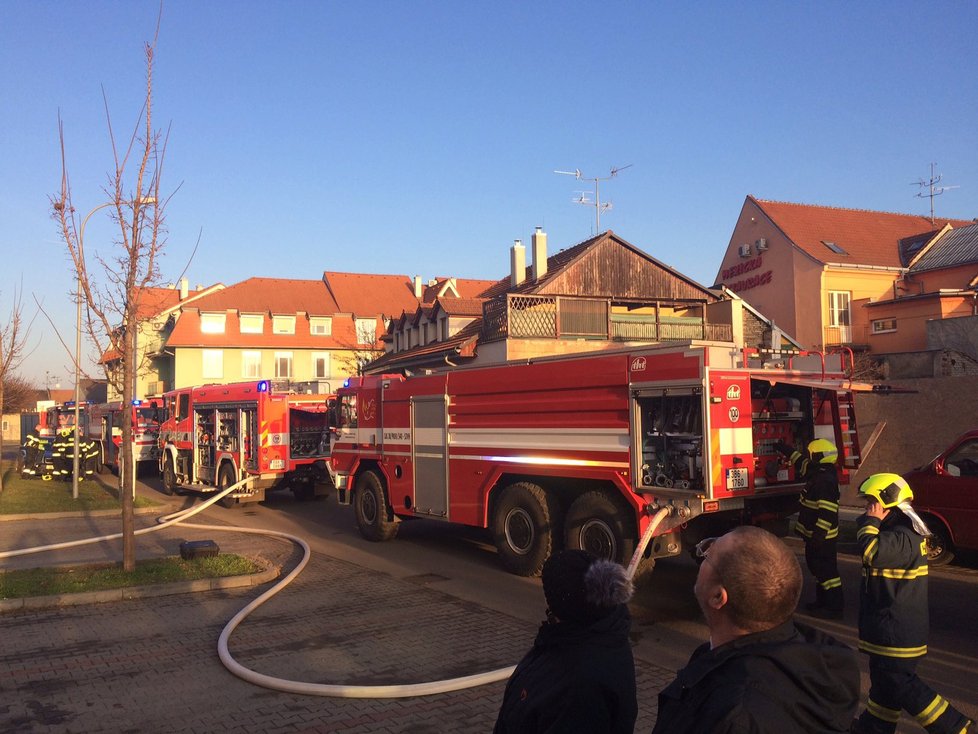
{"x":151,"y":665}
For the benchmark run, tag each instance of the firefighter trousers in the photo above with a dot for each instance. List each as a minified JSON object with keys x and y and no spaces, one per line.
{"x":894,"y":685}
{"x":821,"y":559}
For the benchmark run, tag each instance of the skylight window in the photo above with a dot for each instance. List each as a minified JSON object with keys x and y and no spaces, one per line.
{"x":835,"y":248}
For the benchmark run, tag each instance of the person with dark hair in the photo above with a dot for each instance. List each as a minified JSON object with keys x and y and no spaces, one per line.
{"x":580,"y":675}
{"x":893,"y":614}
{"x":761,"y":671}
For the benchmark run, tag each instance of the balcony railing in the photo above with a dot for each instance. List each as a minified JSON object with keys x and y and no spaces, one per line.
{"x":559,"y":317}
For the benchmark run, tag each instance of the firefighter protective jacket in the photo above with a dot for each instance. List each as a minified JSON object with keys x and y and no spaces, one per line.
{"x":893,"y":619}
{"x":63,"y":443}
{"x":818,"y":518}
{"x":34,"y":441}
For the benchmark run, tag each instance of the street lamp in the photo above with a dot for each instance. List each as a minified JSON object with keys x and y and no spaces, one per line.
{"x":78,"y":312}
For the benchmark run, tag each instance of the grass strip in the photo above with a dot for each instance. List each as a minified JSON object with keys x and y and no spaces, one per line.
{"x":22,"y":496}
{"x":69,"y":580}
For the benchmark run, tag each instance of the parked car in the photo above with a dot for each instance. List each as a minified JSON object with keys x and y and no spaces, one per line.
{"x":946,"y":496}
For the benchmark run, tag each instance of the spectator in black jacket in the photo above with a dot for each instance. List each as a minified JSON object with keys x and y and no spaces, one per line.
{"x":580,"y":675}
{"x":761,"y":672}
{"x":893,"y":614}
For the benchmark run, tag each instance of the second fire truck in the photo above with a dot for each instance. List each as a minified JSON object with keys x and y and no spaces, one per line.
{"x":217,"y":435}
{"x":103,"y":424}
{"x":580,"y":451}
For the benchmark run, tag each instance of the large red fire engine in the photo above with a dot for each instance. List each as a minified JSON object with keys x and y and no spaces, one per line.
{"x":103,"y":424}
{"x":579,"y":451}
{"x":217,"y":435}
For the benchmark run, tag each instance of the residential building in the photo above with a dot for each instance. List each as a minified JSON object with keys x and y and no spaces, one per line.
{"x":805,"y":266}
{"x":602,"y":293}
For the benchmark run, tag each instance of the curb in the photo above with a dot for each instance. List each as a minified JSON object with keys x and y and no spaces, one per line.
{"x":139,"y":592}
{"x":80,"y":513}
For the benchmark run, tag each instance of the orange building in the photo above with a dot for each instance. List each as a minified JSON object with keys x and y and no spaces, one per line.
{"x":808,"y":268}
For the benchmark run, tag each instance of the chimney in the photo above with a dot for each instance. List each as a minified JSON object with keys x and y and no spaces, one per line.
{"x":539,"y":253}
{"x":418,"y":291}
{"x":517,"y":263}
{"x":184,"y":286}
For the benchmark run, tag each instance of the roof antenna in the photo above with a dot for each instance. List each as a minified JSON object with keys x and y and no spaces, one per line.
{"x":582,"y":196}
{"x":934,"y":189}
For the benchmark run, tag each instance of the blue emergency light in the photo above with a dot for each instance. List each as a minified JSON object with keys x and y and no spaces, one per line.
{"x":263,"y":386}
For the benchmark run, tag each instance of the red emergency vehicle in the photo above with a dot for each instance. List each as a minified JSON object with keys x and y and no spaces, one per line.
{"x":216,"y":435}
{"x":103,"y":424}
{"x":579,"y":451}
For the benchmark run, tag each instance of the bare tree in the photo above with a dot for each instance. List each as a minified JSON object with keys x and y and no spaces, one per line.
{"x":110,"y":283}
{"x":13,"y":337}
{"x":18,"y":394}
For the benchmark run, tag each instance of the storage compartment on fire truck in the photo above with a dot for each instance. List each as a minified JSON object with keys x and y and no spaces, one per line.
{"x":671,"y":427}
{"x":308,"y":433}
{"x":205,"y":438}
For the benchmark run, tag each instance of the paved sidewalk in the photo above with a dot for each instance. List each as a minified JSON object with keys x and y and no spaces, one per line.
{"x":151,"y":664}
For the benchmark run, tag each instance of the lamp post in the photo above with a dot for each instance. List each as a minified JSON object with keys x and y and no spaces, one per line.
{"x":78,"y":312}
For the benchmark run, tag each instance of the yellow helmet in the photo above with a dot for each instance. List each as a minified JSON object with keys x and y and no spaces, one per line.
{"x":823,"y":451}
{"x":887,"y":489}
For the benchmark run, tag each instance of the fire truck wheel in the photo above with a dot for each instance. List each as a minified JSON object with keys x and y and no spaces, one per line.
{"x":370,"y":506}
{"x":597,"y":524}
{"x":523,"y":528}
{"x":225,"y":480}
{"x":169,"y":477}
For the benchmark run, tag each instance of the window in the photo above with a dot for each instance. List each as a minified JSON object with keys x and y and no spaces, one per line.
{"x":252,"y":323}
{"x":839,"y":317}
{"x":212,"y":367}
{"x":444,"y":329}
{"x":320,"y":365}
{"x":250,"y":364}
{"x":283,"y":364}
{"x":283,"y":324}
{"x":366,"y":331}
{"x":835,"y":248}
{"x":320,"y":326}
{"x":212,"y":323}
{"x":882,"y":326}
{"x":6,"y":427}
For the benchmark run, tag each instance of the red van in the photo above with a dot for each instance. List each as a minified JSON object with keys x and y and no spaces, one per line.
{"x":946,"y":496}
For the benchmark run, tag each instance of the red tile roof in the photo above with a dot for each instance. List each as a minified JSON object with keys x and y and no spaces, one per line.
{"x":869,"y":238}
{"x":154,"y":301}
{"x":466,"y":288}
{"x":272,"y":295}
{"x":186,"y":333}
{"x":459,"y":306}
{"x":365,"y":294}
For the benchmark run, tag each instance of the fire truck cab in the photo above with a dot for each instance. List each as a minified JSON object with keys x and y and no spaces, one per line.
{"x":579,"y":451}
{"x":104,"y":422}
{"x":217,"y":435}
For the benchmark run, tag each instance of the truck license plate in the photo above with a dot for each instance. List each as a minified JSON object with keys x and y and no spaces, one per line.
{"x":737,"y":479}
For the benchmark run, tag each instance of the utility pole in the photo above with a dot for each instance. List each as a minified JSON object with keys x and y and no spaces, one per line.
{"x":582,"y":198}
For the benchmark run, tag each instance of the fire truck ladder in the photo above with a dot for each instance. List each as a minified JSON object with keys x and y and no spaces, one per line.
{"x":847,"y":424}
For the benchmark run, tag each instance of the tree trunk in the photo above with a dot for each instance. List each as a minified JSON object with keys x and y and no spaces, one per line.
{"x":127,"y":472}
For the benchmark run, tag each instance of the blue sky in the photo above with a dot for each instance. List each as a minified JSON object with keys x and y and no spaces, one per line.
{"x":421,"y":137}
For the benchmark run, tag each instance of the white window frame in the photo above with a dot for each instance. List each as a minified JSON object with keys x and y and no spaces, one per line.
{"x":279,"y":356}
{"x":325,"y":357}
{"x":326,"y":324}
{"x":283,"y":324}
{"x":250,"y":358}
{"x":212,"y":364}
{"x":840,"y":303}
{"x":365,"y":327}
{"x":246,"y":323}
{"x":883,"y":326}
{"x":212,"y":323}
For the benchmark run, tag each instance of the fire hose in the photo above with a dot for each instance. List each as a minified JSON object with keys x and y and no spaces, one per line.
{"x":302,"y":687}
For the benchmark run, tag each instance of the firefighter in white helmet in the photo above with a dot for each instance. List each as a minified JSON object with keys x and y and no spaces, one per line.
{"x":893,"y":622}
{"x":818,"y":522}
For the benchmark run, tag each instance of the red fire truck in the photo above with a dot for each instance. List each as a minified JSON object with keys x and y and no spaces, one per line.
{"x":580,"y":451}
{"x":216,"y":435}
{"x":103,"y":424}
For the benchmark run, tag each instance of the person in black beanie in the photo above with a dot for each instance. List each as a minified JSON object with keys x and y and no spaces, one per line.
{"x":579,"y":675}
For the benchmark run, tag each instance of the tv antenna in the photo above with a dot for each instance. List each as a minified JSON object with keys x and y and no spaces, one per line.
{"x":582,"y":196}
{"x":933,"y":189}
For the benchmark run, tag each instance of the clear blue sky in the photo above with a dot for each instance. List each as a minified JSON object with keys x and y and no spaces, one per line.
{"x":421,"y":137}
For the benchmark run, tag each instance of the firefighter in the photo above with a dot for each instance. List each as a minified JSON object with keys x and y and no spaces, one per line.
{"x":34,"y":454}
{"x":87,"y":454}
{"x":62,"y":449}
{"x":818,"y":522}
{"x":893,"y":622}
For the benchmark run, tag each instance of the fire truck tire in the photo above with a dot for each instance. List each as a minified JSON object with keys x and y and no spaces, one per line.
{"x":169,"y":477}
{"x":374,"y":519}
{"x":597,"y":524}
{"x":224,"y":480}
{"x":524,"y":528}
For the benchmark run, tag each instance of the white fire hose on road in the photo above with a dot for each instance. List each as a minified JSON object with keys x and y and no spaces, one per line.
{"x":302,"y":687}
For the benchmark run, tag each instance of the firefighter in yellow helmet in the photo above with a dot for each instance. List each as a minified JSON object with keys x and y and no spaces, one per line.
{"x":818,"y":522}
{"x":893,"y":622}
